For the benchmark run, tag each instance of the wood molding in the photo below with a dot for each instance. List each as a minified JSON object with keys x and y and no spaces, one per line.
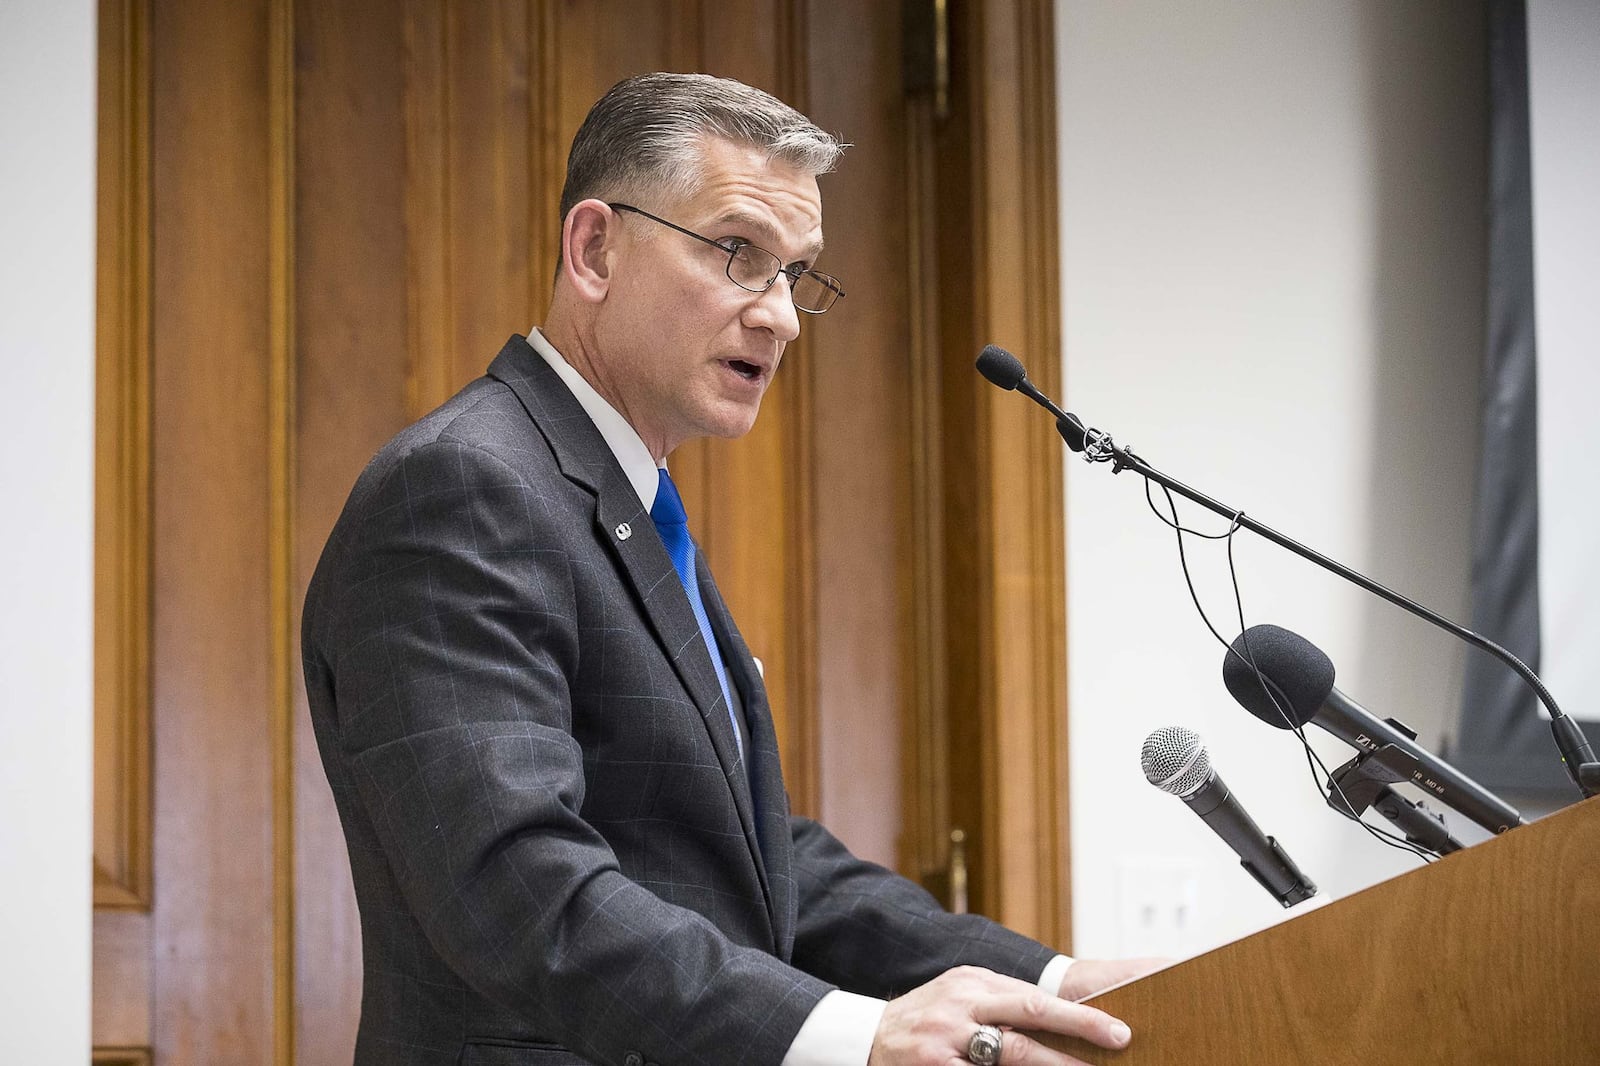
{"x":213,"y":937}
{"x":1023,"y":679}
{"x":122,"y":1056}
{"x":429,"y":313}
{"x":1047,"y":540}
{"x":925,"y":757}
{"x":546,"y":155}
{"x":122,"y":780}
{"x":492,"y":195}
{"x":283,"y":601}
{"x":1004,"y":765}
{"x":120,"y":1015}
{"x":475,"y":186}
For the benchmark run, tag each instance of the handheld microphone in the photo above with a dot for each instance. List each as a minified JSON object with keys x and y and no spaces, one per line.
{"x":1300,"y":676}
{"x":1174,"y":760}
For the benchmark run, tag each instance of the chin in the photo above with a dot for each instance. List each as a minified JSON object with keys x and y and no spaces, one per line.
{"x":730,"y":425}
{"x":733,"y":431}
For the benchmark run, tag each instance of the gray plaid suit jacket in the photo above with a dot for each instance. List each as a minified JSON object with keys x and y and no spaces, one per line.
{"x":557,"y":854}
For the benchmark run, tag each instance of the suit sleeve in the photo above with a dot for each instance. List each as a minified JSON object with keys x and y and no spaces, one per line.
{"x":455,"y":638}
{"x":871,"y":931}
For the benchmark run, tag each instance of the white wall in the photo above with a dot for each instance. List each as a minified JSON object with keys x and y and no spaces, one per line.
{"x":47,"y":144}
{"x":1272,"y":242}
{"x":1564,"y":120}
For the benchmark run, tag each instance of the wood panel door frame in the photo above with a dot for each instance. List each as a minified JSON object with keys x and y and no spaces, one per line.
{"x":988,"y":728}
{"x":978,"y":641}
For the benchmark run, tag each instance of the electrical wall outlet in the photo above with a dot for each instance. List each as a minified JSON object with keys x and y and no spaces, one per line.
{"x":1158,"y":906}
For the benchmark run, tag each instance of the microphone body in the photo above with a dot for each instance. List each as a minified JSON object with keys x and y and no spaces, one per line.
{"x":1360,"y":728}
{"x":1175,"y":760}
{"x":1004,"y":370}
{"x":1301,"y":677}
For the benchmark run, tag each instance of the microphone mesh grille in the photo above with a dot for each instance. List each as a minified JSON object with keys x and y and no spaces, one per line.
{"x":1175,"y":760}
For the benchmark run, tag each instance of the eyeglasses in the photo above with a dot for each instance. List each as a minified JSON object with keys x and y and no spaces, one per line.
{"x":755,"y":269}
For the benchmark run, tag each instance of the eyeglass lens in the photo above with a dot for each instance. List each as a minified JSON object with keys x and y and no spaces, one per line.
{"x":756,"y":269}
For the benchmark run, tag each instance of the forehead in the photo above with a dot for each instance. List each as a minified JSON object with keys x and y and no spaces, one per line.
{"x":776,"y":202}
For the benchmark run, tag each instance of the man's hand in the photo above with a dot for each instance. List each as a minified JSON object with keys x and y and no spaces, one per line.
{"x":1087,"y":977}
{"x":931,"y":1025}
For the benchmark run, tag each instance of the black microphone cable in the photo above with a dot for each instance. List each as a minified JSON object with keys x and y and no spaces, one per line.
{"x":1313,"y":760}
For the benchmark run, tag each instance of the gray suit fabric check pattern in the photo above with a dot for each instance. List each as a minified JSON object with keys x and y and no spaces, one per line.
{"x":556,"y":853}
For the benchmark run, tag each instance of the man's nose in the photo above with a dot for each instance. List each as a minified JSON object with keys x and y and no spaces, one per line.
{"x":775,"y":310}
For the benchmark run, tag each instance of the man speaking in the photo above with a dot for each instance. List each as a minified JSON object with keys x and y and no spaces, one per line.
{"x":549,"y":746}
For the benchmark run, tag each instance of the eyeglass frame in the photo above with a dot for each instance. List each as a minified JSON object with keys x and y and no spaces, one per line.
{"x":795,"y":273}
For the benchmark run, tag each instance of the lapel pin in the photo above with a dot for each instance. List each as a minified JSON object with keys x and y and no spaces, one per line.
{"x":624,"y":531}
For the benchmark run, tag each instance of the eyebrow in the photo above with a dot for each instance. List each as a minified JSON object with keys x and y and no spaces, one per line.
{"x":764,"y":229}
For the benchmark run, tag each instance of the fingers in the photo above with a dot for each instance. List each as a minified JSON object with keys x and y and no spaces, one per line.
{"x":1030,"y":1008}
{"x":936,"y":1022}
{"x":1019,"y":1049}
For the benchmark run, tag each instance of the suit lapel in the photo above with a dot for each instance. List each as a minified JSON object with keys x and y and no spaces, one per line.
{"x":645,"y":562}
{"x":622,"y":523}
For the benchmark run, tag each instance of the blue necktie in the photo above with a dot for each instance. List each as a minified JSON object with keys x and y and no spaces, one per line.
{"x":673,"y":525}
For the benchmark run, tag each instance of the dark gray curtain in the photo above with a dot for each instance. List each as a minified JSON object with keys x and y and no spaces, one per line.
{"x":1502,"y":741}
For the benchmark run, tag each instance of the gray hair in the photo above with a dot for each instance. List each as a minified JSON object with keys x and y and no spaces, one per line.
{"x":647,"y":134}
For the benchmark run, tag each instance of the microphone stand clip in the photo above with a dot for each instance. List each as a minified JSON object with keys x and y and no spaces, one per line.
{"x":1363,"y":783}
{"x":1589,"y":778}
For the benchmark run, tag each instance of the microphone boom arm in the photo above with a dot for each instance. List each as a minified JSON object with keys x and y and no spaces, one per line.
{"x":1097,"y":446}
{"x":1574,"y":747}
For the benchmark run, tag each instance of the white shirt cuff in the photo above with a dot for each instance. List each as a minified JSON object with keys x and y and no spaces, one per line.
{"x":838,"y":1032}
{"x":1054,"y":972}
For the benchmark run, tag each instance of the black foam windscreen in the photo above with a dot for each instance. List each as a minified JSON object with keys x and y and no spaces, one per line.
{"x":1296,"y":671}
{"x":1000,"y":367}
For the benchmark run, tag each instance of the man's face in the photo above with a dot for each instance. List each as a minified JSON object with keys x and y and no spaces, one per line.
{"x":686,"y":352}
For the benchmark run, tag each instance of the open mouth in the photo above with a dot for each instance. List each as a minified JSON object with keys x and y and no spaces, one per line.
{"x":748,"y":371}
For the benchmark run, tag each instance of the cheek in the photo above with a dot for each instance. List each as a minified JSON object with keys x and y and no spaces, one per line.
{"x":700,"y":323}
{"x":677,"y":323}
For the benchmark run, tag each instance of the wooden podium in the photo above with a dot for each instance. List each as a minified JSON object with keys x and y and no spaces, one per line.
{"x":1491,"y":955}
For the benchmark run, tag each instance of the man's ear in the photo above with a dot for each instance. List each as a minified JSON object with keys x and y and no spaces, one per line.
{"x":589,"y":238}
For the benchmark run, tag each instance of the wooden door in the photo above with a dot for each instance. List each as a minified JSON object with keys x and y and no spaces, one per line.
{"x":319,"y":219}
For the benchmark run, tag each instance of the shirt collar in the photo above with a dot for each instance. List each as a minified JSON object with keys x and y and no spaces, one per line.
{"x":623,"y":440}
